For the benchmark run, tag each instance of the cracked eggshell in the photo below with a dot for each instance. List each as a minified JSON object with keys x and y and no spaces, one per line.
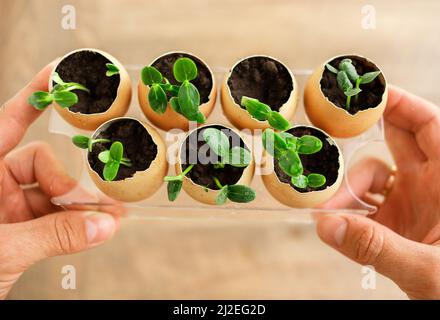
{"x":171,"y":119}
{"x":336,"y":121}
{"x":142,"y":184}
{"x":118,"y":108}
{"x":197,"y":191}
{"x":240,"y":118}
{"x":287,"y":195}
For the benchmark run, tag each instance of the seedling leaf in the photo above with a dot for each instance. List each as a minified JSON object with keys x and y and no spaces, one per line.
{"x":200,"y":117}
{"x":290,"y":139}
{"x":150,"y":75}
{"x":217,"y":141}
{"x":273,"y":143}
{"x":241,"y":193}
{"x":352,"y":92}
{"x":111,"y":169}
{"x":184,"y":69}
{"x":81,"y":141}
{"x":277,"y":121}
{"x":343,"y":81}
{"x":222,"y":195}
{"x":189,"y":100}
{"x":315,"y":180}
{"x":56,"y":78}
{"x":290,"y":163}
{"x":157,"y":99}
{"x":104,"y":156}
{"x":239,"y":157}
{"x":331,"y":68}
{"x":369,"y":77}
{"x":347,"y":66}
{"x":40,"y":99}
{"x":174,"y":187}
{"x":174,"y":103}
{"x":256,"y":109}
{"x":111,"y":69}
{"x":65,"y":99}
{"x":299,"y":181}
{"x":116,"y":151}
{"x":308,"y":144}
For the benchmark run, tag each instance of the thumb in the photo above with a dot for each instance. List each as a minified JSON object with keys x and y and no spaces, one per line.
{"x":55,"y":234}
{"x":413,"y":266}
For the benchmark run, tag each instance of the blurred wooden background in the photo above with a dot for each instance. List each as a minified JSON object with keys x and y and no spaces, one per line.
{"x":189,"y":260}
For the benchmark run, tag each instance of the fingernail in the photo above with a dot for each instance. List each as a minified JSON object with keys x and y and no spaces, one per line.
{"x":332,"y":229}
{"x":99,"y":227}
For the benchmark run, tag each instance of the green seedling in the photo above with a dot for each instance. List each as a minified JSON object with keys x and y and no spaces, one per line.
{"x":111,"y":69}
{"x":174,"y":185}
{"x":112,"y":160}
{"x":349,"y":80}
{"x":263,"y":112}
{"x":61,"y":94}
{"x":235,"y":193}
{"x":184,"y":98}
{"x":286,"y":148}
{"x":219,"y":143}
{"x":84,"y":142}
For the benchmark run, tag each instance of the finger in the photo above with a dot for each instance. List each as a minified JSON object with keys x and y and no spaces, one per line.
{"x":403,"y":146}
{"x":18,"y":114}
{"x":367,"y":176}
{"x":413,"y":266}
{"x":39,"y":202}
{"x":433,"y":237}
{"x":60,"y":233}
{"x":416,"y":115}
{"x":36,"y":162}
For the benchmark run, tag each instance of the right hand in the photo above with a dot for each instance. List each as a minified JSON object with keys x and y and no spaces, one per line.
{"x":401,"y":240}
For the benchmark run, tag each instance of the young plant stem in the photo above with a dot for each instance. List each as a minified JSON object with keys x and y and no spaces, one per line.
{"x":358,"y":84}
{"x":188,"y":169}
{"x":217,"y":182}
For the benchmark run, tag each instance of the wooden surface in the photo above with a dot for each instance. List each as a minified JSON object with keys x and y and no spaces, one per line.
{"x":193,"y":260}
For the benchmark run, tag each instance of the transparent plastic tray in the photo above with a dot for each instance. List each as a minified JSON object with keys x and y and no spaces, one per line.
{"x":263,"y":208}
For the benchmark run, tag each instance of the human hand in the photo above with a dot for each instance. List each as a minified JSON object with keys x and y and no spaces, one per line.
{"x":402,"y":239}
{"x":31,"y":227}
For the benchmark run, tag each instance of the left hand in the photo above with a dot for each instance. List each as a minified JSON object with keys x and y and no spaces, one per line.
{"x":31,"y":227}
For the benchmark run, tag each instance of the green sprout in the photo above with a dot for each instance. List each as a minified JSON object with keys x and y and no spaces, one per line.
{"x":112,"y":160}
{"x":263,"y":112}
{"x":238,"y":157}
{"x":236,"y":193}
{"x":347,"y":75}
{"x":286,"y":148}
{"x":61,"y":94}
{"x":175,"y":183}
{"x":111,"y":69}
{"x":219,"y":143}
{"x":185,"y":98}
{"x":84,"y":142}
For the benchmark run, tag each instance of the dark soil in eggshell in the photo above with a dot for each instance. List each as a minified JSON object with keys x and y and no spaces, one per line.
{"x":203,"y":82}
{"x":202,"y":174}
{"x":261,"y":78}
{"x":371,"y":95}
{"x":88,"y":68}
{"x":139,"y":147}
{"x":325,"y":161}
